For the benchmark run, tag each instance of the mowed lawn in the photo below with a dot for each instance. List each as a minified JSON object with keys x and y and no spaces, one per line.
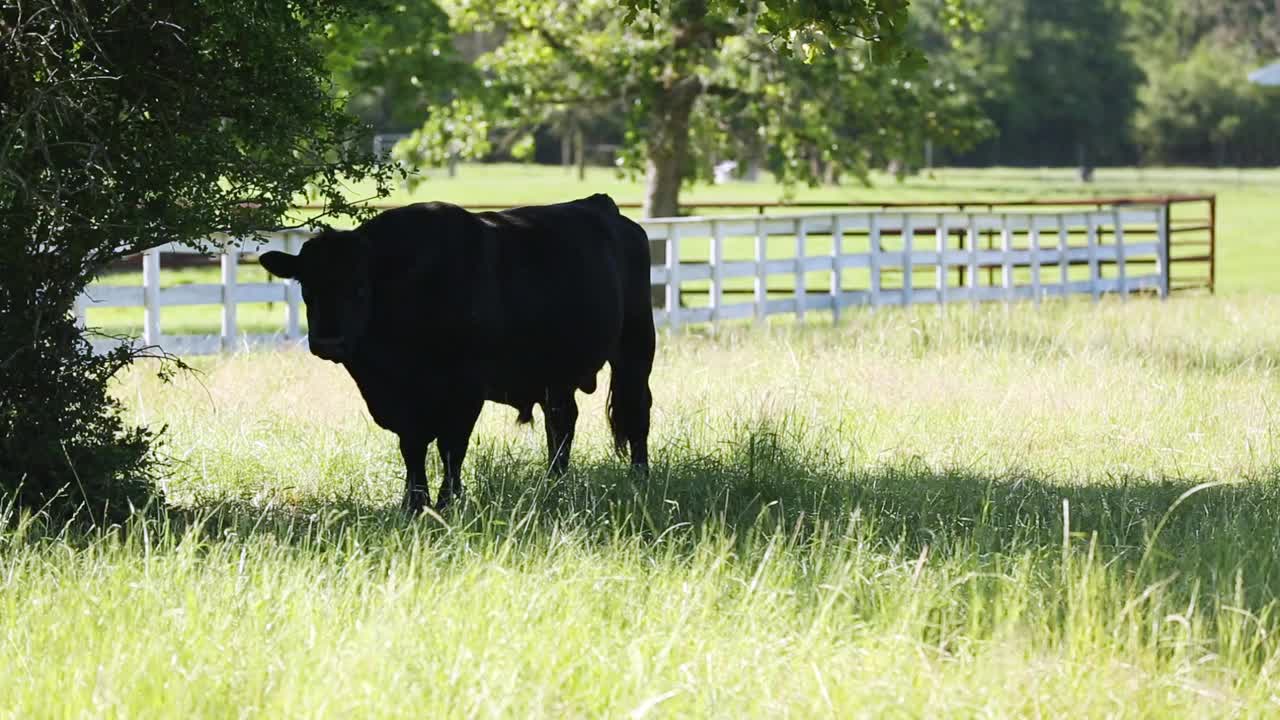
{"x":1248,"y":218}
{"x":1001,"y":512}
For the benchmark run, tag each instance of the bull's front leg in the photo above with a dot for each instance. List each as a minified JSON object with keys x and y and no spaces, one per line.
{"x":413,"y":449}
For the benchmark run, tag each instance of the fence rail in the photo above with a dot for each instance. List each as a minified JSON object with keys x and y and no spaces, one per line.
{"x":718,"y":269}
{"x":1191,"y":218}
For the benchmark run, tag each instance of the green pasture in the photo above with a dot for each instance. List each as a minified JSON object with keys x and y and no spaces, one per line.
{"x":993,"y":512}
{"x":1248,"y":222}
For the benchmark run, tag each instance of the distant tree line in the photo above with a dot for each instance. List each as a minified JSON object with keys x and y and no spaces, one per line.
{"x":1123,"y":82}
{"x":1196,"y":106}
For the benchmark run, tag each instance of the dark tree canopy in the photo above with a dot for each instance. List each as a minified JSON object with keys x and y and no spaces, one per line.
{"x":126,"y":125}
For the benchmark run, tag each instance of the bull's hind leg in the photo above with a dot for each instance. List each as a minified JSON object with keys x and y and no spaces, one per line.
{"x":561,"y":416}
{"x":413,"y":449}
{"x":452,"y":446}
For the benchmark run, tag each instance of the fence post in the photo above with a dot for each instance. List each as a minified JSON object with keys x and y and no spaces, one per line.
{"x":974,"y":249}
{"x":1006,"y":258}
{"x":717,"y":279}
{"x":801,"y":291}
{"x":230,"y":259}
{"x":908,"y":262}
{"x":673,"y":276}
{"x":942,"y":237}
{"x":80,"y":312}
{"x":873,"y":245}
{"x":1095,"y":290}
{"x":292,"y":294}
{"x":1033,"y":239}
{"x":1122,"y":275}
{"x":1162,"y":249}
{"x":1213,"y":242}
{"x":1064,"y":261}
{"x":151,"y":297}
{"x":762,"y":272}
{"x":837,"y":249}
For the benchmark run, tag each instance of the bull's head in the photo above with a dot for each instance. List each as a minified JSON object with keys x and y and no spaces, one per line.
{"x":335,"y":272}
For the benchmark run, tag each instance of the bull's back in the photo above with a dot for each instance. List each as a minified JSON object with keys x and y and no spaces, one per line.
{"x":521,"y":298}
{"x":560,"y":281}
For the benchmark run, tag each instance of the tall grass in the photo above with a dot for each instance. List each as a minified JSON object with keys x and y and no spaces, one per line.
{"x":1070,"y":512}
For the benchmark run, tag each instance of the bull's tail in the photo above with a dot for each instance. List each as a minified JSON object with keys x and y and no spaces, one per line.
{"x":629,"y":399}
{"x":629,"y":396}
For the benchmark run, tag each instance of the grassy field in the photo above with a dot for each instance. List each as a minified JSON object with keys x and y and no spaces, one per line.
{"x":1070,"y":512}
{"x":1248,"y":215}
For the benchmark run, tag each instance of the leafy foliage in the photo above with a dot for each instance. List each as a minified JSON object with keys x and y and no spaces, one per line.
{"x":395,"y":62}
{"x":1201,"y":109}
{"x":1197,"y":106}
{"x":127,"y":125}
{"x":697,"y":81}
{"x":807,"y":25}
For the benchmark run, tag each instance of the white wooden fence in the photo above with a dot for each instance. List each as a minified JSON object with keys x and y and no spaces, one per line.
{"x":718,"y":269}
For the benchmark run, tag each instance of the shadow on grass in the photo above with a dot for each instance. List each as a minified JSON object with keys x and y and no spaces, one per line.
{"x":764,"y":483}
{"x":767,"y":481}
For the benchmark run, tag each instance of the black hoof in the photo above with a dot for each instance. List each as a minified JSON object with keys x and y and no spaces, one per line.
{"x":447,"y":501}
{"x":414,"y":503}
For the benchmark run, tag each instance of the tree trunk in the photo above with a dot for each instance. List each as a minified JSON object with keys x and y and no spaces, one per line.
{"x":1086,"y":167}
{"x":580,"y":140}
{"x":662,"y":186}
{"x":669,"y":147}
{"x":668,"y":152}
{"x":566,"y":149}
{"x":673,"y":101}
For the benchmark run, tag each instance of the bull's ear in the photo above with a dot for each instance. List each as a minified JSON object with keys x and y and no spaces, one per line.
{"x":280,"y":264}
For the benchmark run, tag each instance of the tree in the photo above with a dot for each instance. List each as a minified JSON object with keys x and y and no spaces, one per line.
{"x":1201,"y":109}
{"x":702,"y":67}
{"x":1060,"y":81}
{"x":1197,"y":106}
{"x":1171,"y":29}
{"x":395,"y":63}
{"x":126,"y":125}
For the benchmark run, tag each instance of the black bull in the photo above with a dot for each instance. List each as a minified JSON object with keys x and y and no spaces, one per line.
{"x":434,"y":310}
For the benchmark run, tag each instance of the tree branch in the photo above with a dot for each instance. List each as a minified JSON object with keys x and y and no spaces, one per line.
{"x":578,"y":100}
